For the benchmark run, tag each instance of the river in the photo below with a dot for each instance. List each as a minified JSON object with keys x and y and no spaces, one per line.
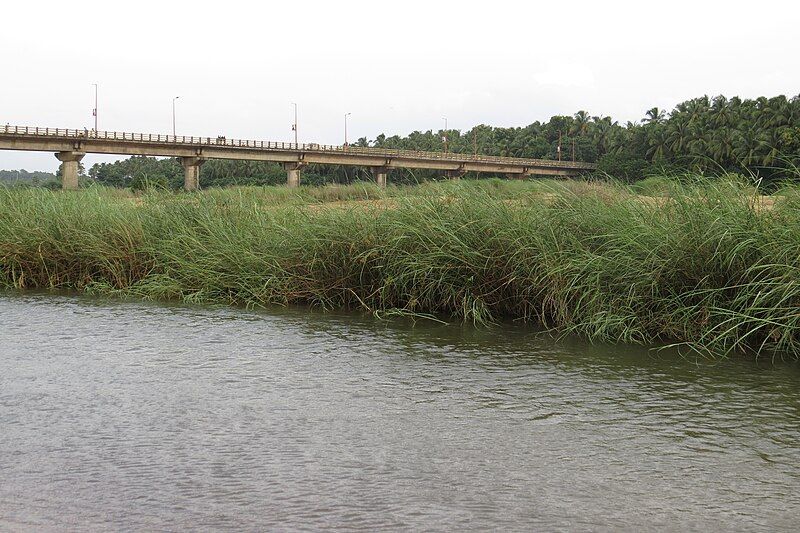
{"x":128,"y":416}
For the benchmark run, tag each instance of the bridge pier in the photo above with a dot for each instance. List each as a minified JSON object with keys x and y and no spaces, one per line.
{"x":191,"y":172}
{"x":292,"y":174}
{"x":381,"y":176}
{"x":70,"y":145}
{"x":69,"y":169}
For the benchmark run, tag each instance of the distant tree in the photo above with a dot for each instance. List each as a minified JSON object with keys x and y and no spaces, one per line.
{"x":654,"y":116}
{"x":759,"y":135}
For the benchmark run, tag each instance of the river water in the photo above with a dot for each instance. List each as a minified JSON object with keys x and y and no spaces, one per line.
{"x":130,"y":416}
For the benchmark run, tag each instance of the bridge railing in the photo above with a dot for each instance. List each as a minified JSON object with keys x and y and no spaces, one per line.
{"x":220,"y":141}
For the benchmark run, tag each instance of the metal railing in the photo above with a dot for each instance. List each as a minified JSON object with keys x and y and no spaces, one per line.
{"x":199,"y":142}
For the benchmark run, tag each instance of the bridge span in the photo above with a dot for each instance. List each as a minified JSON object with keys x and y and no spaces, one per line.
{"x":70,"y":146}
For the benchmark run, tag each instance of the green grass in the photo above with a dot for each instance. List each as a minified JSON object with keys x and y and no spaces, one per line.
{"x":703,"y":263}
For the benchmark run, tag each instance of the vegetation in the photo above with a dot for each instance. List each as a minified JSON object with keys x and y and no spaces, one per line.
{"x":760,"y":136}
{"x":705,"y":135}
{"x":25,"y":178}
{"x":711,"y":264}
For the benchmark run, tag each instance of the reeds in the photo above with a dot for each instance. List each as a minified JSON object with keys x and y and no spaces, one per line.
{"x":710,"y":264}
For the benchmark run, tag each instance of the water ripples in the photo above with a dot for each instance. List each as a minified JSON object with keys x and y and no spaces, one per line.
{"x":130,"y":416}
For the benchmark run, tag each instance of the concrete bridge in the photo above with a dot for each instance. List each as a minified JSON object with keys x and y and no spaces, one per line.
{"x":70,"y":146}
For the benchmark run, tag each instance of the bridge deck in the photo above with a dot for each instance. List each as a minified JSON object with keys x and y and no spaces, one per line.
{"x":105,"y":142}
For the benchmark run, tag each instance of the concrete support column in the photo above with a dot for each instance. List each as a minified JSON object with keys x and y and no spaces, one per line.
{"x":292,"y":174}
{"x":191,"y":172}
{"x":381,"y":176}
{"x":454,"y":174}
{"x":69,"y":169}
{"x":292,"y":177}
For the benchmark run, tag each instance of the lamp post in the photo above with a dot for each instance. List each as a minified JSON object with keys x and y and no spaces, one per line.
{"x":345,"y":127}
{"x":94,"y":111}
{"x":173,"y":115}
{"x":294,"y":126}
{"x":559,"y":145}
{"x":444,"y":137}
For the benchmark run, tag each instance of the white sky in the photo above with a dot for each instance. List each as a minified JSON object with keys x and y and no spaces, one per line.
{"x":396,"y":66}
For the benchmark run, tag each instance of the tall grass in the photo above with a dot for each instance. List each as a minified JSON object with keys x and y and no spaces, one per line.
{"x":707,"y":264}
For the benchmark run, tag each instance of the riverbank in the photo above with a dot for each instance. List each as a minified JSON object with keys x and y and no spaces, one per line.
{"x":713,"y":265}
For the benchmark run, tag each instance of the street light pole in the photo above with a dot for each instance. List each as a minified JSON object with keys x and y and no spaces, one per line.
{"x":444,"y":137}
{"x":173,"y":116}
{"x":559,"y":145}
{"x":94,"y":112}
{"x":294,"y":126}
{"x":345,"y":127}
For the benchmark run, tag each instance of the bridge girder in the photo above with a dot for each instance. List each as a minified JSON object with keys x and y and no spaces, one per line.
{"x":293,"y":157}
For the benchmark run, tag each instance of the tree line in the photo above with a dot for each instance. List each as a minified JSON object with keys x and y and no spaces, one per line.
{"x":25,"y":177}
{"x":707,"y":135}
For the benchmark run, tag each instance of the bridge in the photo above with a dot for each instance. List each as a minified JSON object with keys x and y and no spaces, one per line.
{"x":70,"y":146}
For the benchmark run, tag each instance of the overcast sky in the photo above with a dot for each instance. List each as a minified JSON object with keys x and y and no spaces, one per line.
{"x":396,"y":66}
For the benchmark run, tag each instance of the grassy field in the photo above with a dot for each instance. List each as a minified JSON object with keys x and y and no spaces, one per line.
{"x":711,"y":264}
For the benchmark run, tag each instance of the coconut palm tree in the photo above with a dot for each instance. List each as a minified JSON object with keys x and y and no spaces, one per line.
{"x":679,"y":134}
{"x":721,"y":146}
{"x":602,"y":131}
{"x":654,"y":116}
{"x":776,"y":113}
{"x":696,"y":108}
{"x":721,"y":112}
{"x":746,"y":145}
{"x":580,"y":124}
{"x":658,"y":144}
{"x":769,"y":146}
